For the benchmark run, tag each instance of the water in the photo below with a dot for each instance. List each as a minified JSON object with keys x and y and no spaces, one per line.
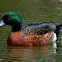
{"x":29,"y":54}
{"x":31,"y":11}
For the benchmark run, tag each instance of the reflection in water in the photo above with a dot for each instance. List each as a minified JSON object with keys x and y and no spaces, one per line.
{"x":31,"y":54}
{"x":59,"y":52}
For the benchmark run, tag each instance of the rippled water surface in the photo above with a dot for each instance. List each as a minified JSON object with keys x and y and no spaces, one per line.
{"x":31,"y":11}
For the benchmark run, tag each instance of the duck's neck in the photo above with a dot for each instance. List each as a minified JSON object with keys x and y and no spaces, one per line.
{"x":16,"y":28}
{"x":57,"y":31}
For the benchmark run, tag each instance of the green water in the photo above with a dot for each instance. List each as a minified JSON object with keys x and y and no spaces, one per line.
{"x":31,"y":11}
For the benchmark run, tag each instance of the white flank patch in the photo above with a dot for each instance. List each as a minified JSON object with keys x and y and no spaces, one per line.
{"x":55,"y":38}
{"x":54,"y":41}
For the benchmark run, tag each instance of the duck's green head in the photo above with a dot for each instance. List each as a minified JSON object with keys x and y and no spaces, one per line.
{"x":13,"y":19}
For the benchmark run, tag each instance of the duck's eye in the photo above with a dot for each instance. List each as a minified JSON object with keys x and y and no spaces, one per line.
{"x":9,"y":16}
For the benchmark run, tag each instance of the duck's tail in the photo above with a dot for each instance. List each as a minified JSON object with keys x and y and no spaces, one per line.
{"x":58,"y":28}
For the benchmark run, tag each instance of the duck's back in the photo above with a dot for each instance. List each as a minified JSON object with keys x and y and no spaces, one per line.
{"x":38,"y":28}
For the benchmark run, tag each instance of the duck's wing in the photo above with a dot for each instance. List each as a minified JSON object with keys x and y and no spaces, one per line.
{"x":38,"y":28}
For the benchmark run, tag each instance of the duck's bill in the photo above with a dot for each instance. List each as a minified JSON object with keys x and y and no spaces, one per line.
{"x":2,"y":23}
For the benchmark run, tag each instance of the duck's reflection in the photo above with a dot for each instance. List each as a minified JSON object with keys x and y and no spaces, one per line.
{"x":31,"y":54}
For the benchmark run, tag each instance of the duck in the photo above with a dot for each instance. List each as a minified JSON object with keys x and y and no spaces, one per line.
{"x":33,"y":34}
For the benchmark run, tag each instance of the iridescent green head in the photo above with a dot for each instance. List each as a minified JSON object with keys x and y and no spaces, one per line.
{"x":13,"y":19}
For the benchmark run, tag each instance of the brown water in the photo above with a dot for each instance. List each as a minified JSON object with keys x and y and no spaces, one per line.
{"x":31,"y":11}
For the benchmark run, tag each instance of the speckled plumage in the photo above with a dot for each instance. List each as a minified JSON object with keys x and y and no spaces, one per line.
{"x":38,"y":28}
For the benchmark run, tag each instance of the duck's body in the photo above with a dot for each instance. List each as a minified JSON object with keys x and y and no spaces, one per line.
{"x":34,"y":34}
{"x":18,"y":39}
